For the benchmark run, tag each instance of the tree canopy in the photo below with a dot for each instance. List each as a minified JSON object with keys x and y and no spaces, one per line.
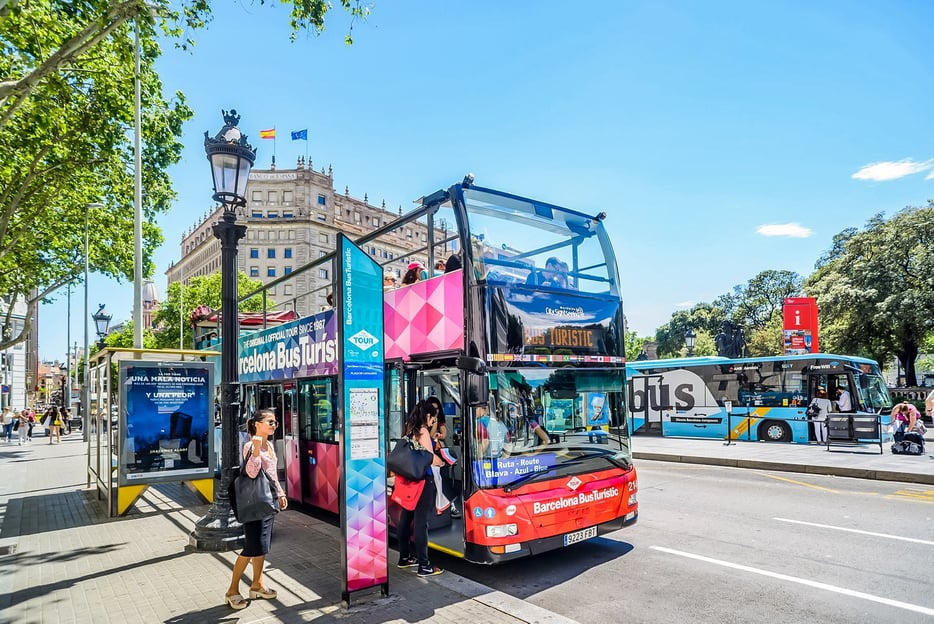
{"x":875,"y":288}
{"x":66,"y":118}
{"x":181,"y":301}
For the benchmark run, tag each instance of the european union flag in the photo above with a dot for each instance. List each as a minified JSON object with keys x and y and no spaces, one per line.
{"x":300,"y":135}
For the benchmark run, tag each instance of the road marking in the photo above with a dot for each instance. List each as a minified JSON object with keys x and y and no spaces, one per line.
{"x":836,"y":528}
{"x":921,"y":496}
{"x":810,"y":485}
{"x":800,"y":581}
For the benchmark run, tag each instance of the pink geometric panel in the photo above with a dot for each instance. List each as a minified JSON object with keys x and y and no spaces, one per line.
{"x":424,"y":317}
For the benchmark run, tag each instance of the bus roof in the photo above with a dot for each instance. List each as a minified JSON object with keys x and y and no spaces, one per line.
{"x":714,"y":359}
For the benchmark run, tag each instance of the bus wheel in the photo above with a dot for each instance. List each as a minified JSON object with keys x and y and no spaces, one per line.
{"x":774,"y":431}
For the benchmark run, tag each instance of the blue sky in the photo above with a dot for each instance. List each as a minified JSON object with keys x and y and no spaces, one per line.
{"x":721,"y":138}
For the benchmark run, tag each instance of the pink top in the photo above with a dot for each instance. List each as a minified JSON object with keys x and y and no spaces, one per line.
{"x":266,"y":460}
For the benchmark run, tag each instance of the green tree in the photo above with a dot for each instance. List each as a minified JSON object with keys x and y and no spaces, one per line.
{"x":123,"y":338}
{"x":703,"y":317}
{"x":66,"y":118}
{"x":203,"y":290}
{"x":875,"y":288}
{"x":753,"y":305}
{"x":634,"y":344}
{"x":768,"y":340}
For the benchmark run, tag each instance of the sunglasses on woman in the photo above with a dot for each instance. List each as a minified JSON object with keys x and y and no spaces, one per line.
{"x":271,"y":423}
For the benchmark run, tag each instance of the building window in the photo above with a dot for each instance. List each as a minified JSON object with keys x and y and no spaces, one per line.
{"x":321,"y":200}
{"x":322,"y":216}
{"x":273,"y":214}
{"x":323,"y":237}
{"x":323,"y":273}
{"x":272,"y":290}
{"x":287,"y":197}
{"x":270,"y":271}
{"x":291,"y":234}
{"x":254,"y":252}
{"x":287,"y":253}
{"x":257,"y":214}
{"x":287,"y":270}
{"x":288,"y":214}
{"x":375,"y":222}
{"x":271,"y":198}
{"x":322,"y":254}
{"x":257,"y":196}
{"x":271,"y":252}
{"x":262,"y":234}
{"x":254,"y":271}
{"x":286,"y":289}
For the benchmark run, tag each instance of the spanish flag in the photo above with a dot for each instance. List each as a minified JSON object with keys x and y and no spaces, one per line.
{"x":267,"y":134}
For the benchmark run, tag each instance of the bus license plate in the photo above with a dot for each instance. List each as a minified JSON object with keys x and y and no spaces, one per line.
{"x":580,"y":536}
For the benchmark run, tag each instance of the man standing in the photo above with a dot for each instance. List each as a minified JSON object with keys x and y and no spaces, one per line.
{"x":844,"y":403}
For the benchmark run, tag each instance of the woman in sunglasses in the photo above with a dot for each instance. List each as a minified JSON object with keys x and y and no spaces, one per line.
{"x":258,"y":454}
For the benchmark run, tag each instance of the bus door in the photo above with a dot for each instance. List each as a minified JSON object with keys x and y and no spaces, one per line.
{"x":288,"y":424}
{"x":445,"y":532}
{"x":645,"y":412}
{"x":318,"y":443}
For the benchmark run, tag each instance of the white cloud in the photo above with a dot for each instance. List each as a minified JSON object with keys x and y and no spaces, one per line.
{"x":791,"y":230}
{"x":892,"y":170}
{"x":930,"y":176}
{"x":685,"y":304}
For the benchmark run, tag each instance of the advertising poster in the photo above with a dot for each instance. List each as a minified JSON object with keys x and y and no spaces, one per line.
{"x":364,"y":519}
{"x":166,"y":423}
{"x":596,"y":409}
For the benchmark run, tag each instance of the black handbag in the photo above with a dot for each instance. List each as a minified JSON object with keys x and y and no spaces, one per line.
{"x":252,"y":499}
{"x":407,"y":460}
{"x":813,"y":411}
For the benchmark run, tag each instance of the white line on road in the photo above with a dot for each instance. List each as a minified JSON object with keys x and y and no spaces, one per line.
{"x":800,"y":581}
{"x":836,"y":528}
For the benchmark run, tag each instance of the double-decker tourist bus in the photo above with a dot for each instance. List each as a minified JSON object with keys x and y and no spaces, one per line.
{"x":520,"y":338}
{"x":763,"y":398}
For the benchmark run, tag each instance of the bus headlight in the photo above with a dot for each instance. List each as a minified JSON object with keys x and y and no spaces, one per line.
{"x":633,"y":499}
{"x":502,"y":530}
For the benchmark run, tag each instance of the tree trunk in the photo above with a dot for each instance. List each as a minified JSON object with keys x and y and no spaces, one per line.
{"x":907,"y":356}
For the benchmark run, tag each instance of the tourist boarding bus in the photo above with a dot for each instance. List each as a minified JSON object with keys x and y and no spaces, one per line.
{"x":759,"y":399}
{"x":521,"y":341}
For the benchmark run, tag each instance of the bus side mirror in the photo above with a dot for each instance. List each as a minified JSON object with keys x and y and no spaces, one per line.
{"x":477,"y":390}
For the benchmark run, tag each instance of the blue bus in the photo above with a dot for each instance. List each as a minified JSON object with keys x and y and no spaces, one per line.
{"x":757,"y":399}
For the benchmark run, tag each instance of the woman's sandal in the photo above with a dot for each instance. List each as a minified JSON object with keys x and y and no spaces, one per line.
{"x":236,"y":601}
{"x":267,"y":594}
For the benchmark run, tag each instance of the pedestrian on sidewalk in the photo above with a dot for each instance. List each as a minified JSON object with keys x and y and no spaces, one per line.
{"x":824,"y":406}
{"x":22,"y":427}
{"x":258,"y":454}
{"x":31,"y":422}
{"x":6,"y":419}
{"x":414,"y":524}
{"x":53,"y":422}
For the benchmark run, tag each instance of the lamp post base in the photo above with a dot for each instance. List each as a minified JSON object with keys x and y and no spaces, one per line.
{"x":217,"y":531}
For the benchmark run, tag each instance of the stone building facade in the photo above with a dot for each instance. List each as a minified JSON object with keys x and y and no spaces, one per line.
{"x":292,"y":218}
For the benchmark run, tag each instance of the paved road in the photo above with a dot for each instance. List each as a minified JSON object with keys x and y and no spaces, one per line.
{"x":723,"y":545}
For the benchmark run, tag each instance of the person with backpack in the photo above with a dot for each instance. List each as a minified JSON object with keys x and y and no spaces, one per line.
{"x":907,"y":430}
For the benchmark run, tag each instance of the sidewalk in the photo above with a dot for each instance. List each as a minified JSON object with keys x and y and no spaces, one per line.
{"x":63,"y":560}
{"x":862,"y":462}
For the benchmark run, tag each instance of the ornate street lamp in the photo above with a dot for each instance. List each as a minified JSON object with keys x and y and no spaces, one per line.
{"x":102,"y":322}
{"x":231,"y":158}
{"x":689,"y":337}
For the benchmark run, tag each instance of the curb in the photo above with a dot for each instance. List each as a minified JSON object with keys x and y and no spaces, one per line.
{"x":837,"y":471}
{"x":509,"y":605}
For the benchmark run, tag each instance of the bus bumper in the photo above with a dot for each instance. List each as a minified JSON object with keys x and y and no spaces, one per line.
{"x":478,"y":553}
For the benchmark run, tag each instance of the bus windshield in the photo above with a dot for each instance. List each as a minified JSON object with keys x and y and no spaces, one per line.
{"x":546,"y":420}
{"x":873,"y":393}
{"x":519,"y":241}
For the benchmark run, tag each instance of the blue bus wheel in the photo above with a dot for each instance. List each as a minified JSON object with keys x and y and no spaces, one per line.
{"x":774,"y":431}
